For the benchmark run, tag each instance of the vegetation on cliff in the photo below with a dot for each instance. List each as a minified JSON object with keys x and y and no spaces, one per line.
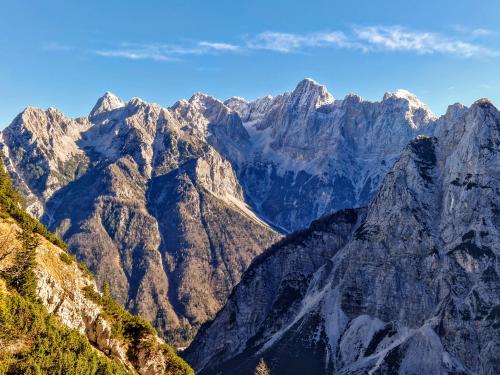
{"x":33,"y":341}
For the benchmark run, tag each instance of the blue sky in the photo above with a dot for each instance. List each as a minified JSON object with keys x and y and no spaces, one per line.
{"x":66,"y":54}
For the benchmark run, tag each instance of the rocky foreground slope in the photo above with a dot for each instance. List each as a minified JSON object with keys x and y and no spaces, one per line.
{"x":53,"y":320}
{"x":170,"y":205}
{"x":410,"y":286}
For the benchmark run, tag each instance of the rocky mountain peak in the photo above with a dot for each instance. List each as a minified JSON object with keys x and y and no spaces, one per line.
{"x":50,"y":157}
{"x":352,"y":98}
{"x":136,"y":102}
{"x":418,"y":268}
{"x":309,"y":93}
{"x":482,"y":114}
{"x":484,"y":103}
{"x":485,"y":116}
{"x":200,"y":104}
{"x":26,"y":116}
{"x":239,"y":105}
{"x":416,"y":112}
{"x":199,"y":111}
{"x":54,"y":112}
{"x":44,"y":124}
{"x":236,"y":100}
{"x":308,"y":84}
{"x":401,"y":94}
{"x":107,"y":102}
{"x":454,"y":109}
{"x":203,"y":99}
{"x":405,"y":96}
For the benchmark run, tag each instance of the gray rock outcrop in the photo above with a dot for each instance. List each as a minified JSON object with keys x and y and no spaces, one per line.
{"x":413,"y":290}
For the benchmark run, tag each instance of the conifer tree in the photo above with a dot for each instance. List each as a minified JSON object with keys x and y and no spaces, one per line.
{"x":20,"y":275}
{"x":262,"y":368}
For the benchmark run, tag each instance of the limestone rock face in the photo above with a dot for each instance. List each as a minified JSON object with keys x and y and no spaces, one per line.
{"x":41,"y":153}
{"x":61,"y":288}
{"x":271,"y":290}
{"x":156,"y":210}
{"x":414,"y":287}
{"x":312,"y":155}
{"x":170,"y":205}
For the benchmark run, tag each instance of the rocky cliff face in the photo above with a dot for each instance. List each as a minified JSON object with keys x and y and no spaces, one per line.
{"x":414,"y":288}
{"x":42,"y":154}
{"x":62,"y":287}
{"x":312,"y":154}
{"x":270,"y":292}
{"x":153,"y":208}
{"x":170,"y":205}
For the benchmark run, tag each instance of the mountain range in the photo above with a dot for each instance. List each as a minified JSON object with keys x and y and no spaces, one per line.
{"x":170,"y":205}
{"x":408,"y":285}
{"x":174,"y":207}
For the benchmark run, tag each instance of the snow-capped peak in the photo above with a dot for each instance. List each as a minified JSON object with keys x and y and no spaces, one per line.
{"x":352,"y":98}
{"x":136,"y":102}
{"x":415,"y":106}
{"x":239,"y":105}
{"x":237,"y":99}
{"x":308,"y":92}
{"x":201,"y":97}
{"x":406,"y":95}
{"x":202,"y":100}
{"x":309,"y":82}
{"x":107,"y":102}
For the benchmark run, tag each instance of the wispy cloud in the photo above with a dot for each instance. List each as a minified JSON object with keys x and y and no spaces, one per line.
{"x":397,"y":38}
{"x":473,"y":33}
{"x":368,"y":39}
{"x":374,"y":39}
{"x":207,"y":46}
{"x":165,"y":52}
{"x":481,"y":32}
{"x":287,"y":42}
{"x":134,"y":54}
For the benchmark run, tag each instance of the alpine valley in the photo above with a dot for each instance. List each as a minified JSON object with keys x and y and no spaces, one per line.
{"x":322,"y":235}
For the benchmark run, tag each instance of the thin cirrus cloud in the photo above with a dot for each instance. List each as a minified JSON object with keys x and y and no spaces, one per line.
{"x":140,"y":53}
{"x":165,"y":52}
{"x":397,"y":38}
{"x":219,"y":46}
{"x":474,"y":32}
{"x":288,"y":42}
{"x":366,"y":39}
{"x":375,"y":39}
{"x":481,"y":32}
